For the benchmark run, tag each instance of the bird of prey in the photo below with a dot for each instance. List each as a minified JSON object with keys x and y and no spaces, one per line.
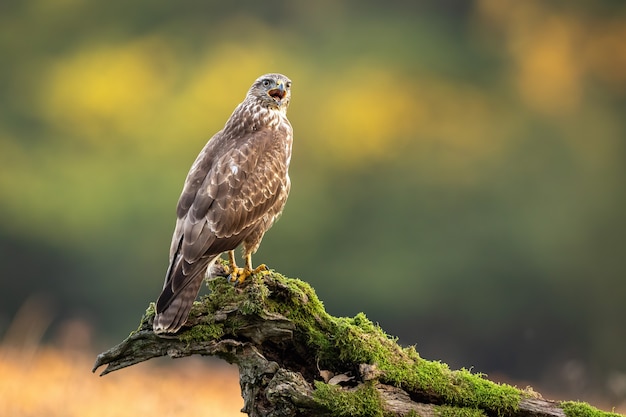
{"x":235,"y":190}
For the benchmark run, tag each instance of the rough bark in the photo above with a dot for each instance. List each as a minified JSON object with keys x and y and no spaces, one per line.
{"x":296,"y":360}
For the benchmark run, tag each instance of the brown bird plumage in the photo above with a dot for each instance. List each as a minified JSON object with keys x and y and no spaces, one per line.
{"x":235,"y":190}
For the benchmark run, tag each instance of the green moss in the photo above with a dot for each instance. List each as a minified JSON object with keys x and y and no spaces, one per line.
{"x":342,"y":343}
{"x":447,"y":411}
{"x":254,"y":296}
{"x":251,"y":298}
{"x":232,"y":325}
{"x":296,"y":300}
{"x":362,"y":401}
{"x":476,"y":391}
{"x":459,"y":388}
{"x":358,"y":340}
{"x":222,"y":294}
{"x":150,"y":312}
{"x":203,"y":332}
{"x":580,"y":409}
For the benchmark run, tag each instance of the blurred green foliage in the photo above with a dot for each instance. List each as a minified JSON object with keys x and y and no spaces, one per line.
{"x":458,"y":169}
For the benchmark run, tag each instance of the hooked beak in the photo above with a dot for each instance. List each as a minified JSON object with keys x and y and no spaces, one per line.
{"x":278,"y":93}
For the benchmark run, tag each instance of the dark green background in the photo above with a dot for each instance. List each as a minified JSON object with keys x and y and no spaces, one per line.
{"x":481,"y":217}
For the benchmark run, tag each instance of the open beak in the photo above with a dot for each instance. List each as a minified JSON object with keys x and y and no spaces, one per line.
{"x":278,"y":93}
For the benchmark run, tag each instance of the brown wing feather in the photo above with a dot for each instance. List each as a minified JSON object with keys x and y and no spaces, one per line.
{"x":224,"y":197}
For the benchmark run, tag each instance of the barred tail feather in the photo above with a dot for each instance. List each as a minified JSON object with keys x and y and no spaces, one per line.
{"x":173,"y":307}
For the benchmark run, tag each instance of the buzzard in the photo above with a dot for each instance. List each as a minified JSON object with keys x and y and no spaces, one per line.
{"x":235,"y":190}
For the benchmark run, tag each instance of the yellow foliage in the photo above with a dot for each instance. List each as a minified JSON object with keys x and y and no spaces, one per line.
{"x":148,"y":93}
{"x":549,"y":67}
{"x":553,"y":51}
{"x":364,"y":113}
{"x":374,"y":113}
{"x":102,"y":91}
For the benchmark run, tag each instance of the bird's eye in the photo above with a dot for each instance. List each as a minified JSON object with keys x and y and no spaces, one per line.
{"x":266,"y":83}
{"x":288,"y":85}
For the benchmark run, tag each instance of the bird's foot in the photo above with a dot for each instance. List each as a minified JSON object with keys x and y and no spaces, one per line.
{"x":239,"y":275}
{"x":261,"y":269}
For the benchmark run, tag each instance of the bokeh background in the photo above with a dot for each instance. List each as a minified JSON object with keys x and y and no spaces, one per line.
{"x":458,"y":175}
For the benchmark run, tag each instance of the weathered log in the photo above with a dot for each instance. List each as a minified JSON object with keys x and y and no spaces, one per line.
{"x":294,"y":359}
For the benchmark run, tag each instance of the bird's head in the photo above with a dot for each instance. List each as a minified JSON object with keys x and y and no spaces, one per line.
{"x":272,"y":91}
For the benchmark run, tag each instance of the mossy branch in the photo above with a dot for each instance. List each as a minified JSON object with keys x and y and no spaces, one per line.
{"x":295,"y":359}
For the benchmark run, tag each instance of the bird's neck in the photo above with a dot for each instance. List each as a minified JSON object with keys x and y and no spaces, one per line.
{"x":249,"y":117}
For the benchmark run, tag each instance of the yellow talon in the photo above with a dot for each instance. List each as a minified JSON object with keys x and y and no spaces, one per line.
{"x":239,"y":275}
